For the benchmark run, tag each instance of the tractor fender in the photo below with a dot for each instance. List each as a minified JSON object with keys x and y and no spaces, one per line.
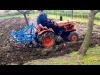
{"x":43,"y":31}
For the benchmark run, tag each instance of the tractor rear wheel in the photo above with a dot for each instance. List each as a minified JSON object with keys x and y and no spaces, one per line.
{"x":73,"y":37}
{"x":47,"y":39}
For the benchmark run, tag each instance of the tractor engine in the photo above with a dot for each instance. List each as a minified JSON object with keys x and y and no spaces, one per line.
{"x":67,"y":25}
{"x":66,"y":29}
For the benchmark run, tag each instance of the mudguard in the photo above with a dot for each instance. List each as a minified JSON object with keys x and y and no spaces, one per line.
{"x":45,"y":30}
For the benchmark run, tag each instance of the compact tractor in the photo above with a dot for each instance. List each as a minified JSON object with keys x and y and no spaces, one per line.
{"x":47,"y":37}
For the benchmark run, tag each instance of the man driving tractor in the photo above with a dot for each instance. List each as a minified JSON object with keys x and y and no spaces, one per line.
{"x":45,"y":33}
{"x":42,"y":20}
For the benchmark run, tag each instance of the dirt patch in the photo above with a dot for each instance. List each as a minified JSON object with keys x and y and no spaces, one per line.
{"x":11,"y":53}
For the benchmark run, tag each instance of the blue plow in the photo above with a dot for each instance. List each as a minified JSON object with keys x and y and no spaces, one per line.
{"x":25,"y":34}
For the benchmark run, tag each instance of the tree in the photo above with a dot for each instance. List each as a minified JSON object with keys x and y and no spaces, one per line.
{"x":24,"y":12}
{"x":87,"y":40}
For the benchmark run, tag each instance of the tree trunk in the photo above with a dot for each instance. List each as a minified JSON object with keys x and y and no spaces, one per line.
{"x":87,"y":40}
{"x":26,"y":20}
{"x":24,"y":12}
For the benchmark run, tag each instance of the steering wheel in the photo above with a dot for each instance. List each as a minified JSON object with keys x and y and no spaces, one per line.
{"x":51,"y":21}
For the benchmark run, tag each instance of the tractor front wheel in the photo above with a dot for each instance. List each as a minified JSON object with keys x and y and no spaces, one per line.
{"x":47,"y":39}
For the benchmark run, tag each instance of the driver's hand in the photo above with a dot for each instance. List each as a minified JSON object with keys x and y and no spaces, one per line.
{"x":50,"y":29}
{"x":45,"y":27}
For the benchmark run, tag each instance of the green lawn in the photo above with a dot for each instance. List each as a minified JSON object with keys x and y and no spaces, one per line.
{"x":92,"y":58}
{"x":82,"y":20}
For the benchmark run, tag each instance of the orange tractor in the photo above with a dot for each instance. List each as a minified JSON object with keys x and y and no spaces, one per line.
{"x":61,"y":30}
{"x":49,"y":37}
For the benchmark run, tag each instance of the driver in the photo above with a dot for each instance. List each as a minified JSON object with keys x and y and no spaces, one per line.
{"x":42,"y":19}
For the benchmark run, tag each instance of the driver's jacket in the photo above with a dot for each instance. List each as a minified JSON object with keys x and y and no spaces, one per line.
{"x":42,"y":19}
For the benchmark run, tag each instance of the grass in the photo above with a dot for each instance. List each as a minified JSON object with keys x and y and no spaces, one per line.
{"x":50,"y":61}
{"x":92,"y":58}
{"x":82,"y":20}
{"x":79,"y":19}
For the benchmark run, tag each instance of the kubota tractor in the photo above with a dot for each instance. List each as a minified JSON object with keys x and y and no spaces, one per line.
{"x":61,"y":30}
{"x":64,"y":29}
{"x":47,"y":37}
